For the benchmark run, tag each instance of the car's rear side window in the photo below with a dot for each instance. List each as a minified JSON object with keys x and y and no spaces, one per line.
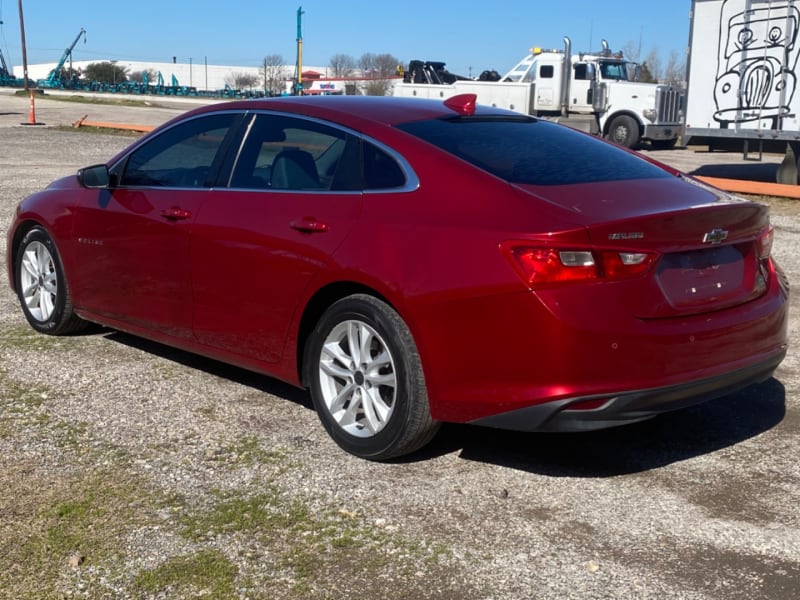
{"x":283,"y":152}
{"x":529,"y":151}
{"x":381,"y":171}
{"x":286,"y":153}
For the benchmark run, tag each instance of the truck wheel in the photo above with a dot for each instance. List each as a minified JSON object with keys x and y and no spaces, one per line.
{"x":624,"y":130}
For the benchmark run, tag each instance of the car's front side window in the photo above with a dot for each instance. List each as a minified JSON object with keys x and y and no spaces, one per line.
{"x":183,"y":156}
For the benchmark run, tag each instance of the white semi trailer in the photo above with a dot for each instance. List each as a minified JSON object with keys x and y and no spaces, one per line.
{"x":597,"y":92}
{"x":742,"y":74}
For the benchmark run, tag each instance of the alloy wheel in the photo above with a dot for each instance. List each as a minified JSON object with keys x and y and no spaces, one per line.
{"x":358,"y":378}
{"x":39,"y":281}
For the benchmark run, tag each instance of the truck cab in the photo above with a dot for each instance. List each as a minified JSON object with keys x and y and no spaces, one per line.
{"x":594,"y":92}
{"x":604,"y":85}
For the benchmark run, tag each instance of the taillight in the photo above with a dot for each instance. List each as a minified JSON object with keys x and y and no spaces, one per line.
{"x":619,"y":265}
{"x":542,"y":266}
{"x":764,"y":250}
{"x":764,"y":242}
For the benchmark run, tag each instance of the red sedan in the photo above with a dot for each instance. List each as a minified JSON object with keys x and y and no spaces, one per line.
{"x":413,"y":262}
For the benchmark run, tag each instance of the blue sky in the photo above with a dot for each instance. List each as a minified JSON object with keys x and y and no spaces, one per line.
{"x":469,"y":37}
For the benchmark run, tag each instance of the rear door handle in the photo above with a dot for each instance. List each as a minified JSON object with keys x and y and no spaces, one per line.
{"x":175,"y":213}
{"x":309,"y":225}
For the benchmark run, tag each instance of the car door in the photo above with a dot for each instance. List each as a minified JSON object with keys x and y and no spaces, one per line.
{"x":294,"y":195}
{"x":133,"y":239}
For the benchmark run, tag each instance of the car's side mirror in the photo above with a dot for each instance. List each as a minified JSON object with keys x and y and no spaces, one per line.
{"x":95,"y":176}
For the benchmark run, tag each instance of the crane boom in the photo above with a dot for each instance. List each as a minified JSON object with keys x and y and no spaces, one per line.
{"x":4,"y":72}
{"x":55,"y":74}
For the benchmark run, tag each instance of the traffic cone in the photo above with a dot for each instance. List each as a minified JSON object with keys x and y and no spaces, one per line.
{"x":32,"y":113}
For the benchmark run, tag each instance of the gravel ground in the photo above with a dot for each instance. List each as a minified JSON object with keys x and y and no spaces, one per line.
{"x":699,"y":504}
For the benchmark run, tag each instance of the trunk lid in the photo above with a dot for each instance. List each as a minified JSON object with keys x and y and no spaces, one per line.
{"x":707,"y":245}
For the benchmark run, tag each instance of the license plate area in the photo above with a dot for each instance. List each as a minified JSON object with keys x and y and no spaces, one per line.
{"x":712,"y":277}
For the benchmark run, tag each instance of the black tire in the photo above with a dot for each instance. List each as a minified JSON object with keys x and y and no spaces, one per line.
{"x":42,"y":286}
{"x":624,"y":130}
{"x":349,"y":394}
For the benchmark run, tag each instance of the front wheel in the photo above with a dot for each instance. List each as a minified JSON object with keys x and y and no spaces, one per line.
{"x":366,"y":380}
{"x":42,"y":286}
{"x":624,"y":130}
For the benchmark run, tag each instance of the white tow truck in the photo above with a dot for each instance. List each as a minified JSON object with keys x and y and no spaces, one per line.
{"x":596,"y":92}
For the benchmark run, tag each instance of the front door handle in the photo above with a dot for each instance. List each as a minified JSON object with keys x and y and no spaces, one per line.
{"x":175,"y":213}
{"x":309,"y":225}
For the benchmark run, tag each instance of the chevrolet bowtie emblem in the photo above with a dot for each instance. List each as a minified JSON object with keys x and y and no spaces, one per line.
{"x":715,"y":236}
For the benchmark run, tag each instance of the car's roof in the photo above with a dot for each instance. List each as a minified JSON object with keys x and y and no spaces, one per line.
{"x":389,"y":110}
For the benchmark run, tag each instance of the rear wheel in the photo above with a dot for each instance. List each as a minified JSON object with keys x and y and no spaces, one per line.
{"x":624,"y":130}
{"x":366,"y":380}
{"x":42,"y":287}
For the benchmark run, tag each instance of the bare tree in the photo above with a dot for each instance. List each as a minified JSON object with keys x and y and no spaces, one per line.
{"x":368,"y":64}
{"x":342,"y":65}
{"x":379,"y":67}
{"x":675,"y":71}
{"x":274,"y":74}
{"x":633,"y":51}
{"x":653,"y":62}
{"x":654,"y":70}
{"x":240,"y":81}
{"x":386,"y":65}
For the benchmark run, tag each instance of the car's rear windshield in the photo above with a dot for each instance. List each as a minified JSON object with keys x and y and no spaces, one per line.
{"x":530,"y":151}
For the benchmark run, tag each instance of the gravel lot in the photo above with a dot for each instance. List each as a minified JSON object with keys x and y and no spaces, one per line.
{"x":115,"y":453}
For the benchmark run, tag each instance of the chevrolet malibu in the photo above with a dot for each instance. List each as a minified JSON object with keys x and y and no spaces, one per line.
{"x":413,"y":262}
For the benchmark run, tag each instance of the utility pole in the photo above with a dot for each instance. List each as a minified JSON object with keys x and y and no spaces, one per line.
{"x":299,"y":74}
{"x":24,"y":50}
{"x":32,"y":114}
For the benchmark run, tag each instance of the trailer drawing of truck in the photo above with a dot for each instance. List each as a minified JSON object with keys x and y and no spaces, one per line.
{"x":742,"y":78}
{"x":757,"y":58}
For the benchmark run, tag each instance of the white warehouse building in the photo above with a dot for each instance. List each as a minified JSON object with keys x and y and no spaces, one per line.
{"x":202,"y":76}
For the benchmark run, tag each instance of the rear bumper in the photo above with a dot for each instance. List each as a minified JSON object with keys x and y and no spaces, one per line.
{"x":630,"y":406}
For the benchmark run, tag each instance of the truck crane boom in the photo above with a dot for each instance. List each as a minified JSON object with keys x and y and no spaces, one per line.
{"x":4,"y":72}
{"x":55,"y":75}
